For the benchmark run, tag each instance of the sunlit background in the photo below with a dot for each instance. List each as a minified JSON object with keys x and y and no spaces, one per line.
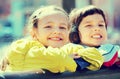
{"x":14,"y":15}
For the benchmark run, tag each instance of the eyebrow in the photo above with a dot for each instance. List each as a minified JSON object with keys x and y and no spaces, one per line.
{"x":60,"y":23}
{"x":49,"y":22}
{"x":87,"y":22}
{"x":63,"y":23}
{"x":102,"y":21}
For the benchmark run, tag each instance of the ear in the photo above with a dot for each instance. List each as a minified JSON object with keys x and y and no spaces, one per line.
{"x":33,"y":32}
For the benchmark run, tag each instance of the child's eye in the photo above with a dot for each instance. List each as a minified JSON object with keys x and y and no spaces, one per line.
{"x":88,"y":25}
{"x":48,"y":26}
{"x":101,"y":25}
{"x":61,"y":27}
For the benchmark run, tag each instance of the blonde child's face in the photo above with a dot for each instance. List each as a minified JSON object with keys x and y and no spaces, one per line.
{"x":92,"y":30}
{"x":53,"y":30}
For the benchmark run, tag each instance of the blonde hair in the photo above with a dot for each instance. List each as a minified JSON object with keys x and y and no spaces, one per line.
{"x":41,"y":13}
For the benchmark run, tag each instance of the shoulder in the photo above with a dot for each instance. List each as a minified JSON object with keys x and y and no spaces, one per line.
{"x":25,"y":43}
{"x":109,"y":50}
{"x":109,"y":47}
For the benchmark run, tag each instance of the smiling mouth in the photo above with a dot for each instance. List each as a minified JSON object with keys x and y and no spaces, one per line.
{"x":97,"y":36}
{"x":55,"y":39}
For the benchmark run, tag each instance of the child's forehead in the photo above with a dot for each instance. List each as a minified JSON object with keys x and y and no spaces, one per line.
{"x":54,"y":18}
{"x":47,"y":11}
{"x":93,"y":18}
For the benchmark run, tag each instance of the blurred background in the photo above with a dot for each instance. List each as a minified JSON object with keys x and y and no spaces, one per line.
{"x":14,"y":15}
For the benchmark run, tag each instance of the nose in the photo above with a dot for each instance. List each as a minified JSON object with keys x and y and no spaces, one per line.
{"x":56,"y":31}
{"x":96,"y":29}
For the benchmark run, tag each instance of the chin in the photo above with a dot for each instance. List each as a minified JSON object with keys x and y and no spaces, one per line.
{"x":56,"y":46}
{"x":95,"y":45}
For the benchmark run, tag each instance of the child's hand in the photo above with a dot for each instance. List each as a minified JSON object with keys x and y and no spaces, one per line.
{"x":3,"y":64}
{"x":117,"y":62}
{"x":75,"y":55}
{"x":39,"y":71}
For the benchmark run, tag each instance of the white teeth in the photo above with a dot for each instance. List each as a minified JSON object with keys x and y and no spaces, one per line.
{"x":96,"y":36}
{"x":57,"y":39}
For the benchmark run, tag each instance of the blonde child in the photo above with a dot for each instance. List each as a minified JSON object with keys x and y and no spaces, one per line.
{"x":46,"y":48}
{"x":90,"y":30}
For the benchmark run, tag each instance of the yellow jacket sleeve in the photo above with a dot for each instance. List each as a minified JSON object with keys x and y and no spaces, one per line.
{"x":51,"y":59}
{"x":17,"y":52}
{"x":91,"y":55}
{"x":25,"y":55}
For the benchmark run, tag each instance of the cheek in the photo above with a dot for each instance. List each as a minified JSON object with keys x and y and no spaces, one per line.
{"x":104,"y":34}
{"x":42,"y":35}
{"x":84,"y":36}
{"x":65,"y":32}
{"x":66,"y":36}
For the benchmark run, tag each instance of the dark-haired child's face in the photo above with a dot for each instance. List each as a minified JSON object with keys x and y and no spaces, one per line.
{"x":92,"y":30}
